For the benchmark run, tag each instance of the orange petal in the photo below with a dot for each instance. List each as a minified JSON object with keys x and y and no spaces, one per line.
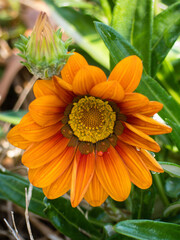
{"x":44,"y":151}
{"x":137,"y":138}
{"x":64,"y":90}
{"x":43,"y":87}
{"x":150,"y":161}
{"x":128,"y":73}
{"x":138,"y":172}
{"x":60,"y":186}
{"x":86,"y":78}
{"x":132,"y":103}
{"x":150,"y":109}
{"x":32,"y":132}
{"x":16,"y":139}
{"x":63,"y":84}
{"x":148,"y":125}
{"x":47,"y":174}
{"x":108,"y":90}
{"x":95,"y":194}
{"x":113,"y":175}
{"x":47,"y":110}
{"x":83,"y":170}
{"x":74,"y":64}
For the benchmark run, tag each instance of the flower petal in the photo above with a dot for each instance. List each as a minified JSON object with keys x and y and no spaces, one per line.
{"x":83,"y":170}
{"x":108,"y":90}
{"x":63,"y":84}
{"x":47,"y":110}
{"x":132,"y":103}
{"x":137,"y":138}
{"x":128,"y":73}
{"x":16,"y":139}
{"x":43,"y":88}
{"x":73,"y":65}
{"x":32,"y":132}
{"x":148,"y":125}
{"x":47,"y":174}
{"x":150,"y":109}
{"x":64,"y":90}
{"x":113,"y":175}
{"x":150,"y":161}
{"x":95,"y":194}
{"x":139,"y":173}
{"x":86,"y":78}
{"x":60,"y":186}
{"x":44,"y":151}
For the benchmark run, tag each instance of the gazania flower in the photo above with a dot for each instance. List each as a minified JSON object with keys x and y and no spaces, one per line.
{"x":89,"y":135}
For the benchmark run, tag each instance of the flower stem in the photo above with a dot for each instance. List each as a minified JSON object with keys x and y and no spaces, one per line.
{"x":160,"y":188}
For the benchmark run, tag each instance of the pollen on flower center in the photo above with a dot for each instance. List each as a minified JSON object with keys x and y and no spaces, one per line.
{"x":92,"y":119}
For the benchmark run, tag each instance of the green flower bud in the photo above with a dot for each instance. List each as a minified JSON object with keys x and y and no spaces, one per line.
{"x":44,"y":51}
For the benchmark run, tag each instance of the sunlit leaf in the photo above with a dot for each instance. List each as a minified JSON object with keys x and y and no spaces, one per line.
{"x":81,"y":28}
{"x":166,"y":30}
{"x":142,"y":31}
{"x":120,"y":48}
{"x":12,"y":116}
{"x":123,"y":17}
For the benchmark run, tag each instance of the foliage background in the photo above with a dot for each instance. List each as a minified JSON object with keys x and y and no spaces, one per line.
{"x":104,"y":32}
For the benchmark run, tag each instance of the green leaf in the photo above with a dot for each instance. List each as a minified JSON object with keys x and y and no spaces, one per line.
{"x":123,"y":17}
{"x":73,"y":3}
{"x":119,"y":237}
{"x":81,"y":28}
{"x":2,"y":134}
{"x":173,"y":208}
{"x":12,"y":187}
{"x":147,"y":229}
{"x":12,"y":116}
{"x":142,"y":202}
{"x":120,"y":48}
{"x":70,"y":221}
{"x":176,"y":132}
{"x":171,"y":168}
{"x":142,"y":32}
{"x":166,"y":30}
{"x":172,"y":187}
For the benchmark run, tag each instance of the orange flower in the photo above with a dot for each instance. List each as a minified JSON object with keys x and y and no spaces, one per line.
{"x":88,"y":134}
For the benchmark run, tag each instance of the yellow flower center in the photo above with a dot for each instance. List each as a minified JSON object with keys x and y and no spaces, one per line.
{"x":92,"y":119}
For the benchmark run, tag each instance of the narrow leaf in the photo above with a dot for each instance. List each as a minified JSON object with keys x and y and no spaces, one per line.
{"x":12,"y":187}
{"x":171,"y":168}
{"x":69,"y":221}
{"x":80,"y":27}
{"x":166,"y":30}
{"x":123,"y":17}
{"x":142,"y":31}
{"x":120,"y":48}
{"x":12,"y":116}
{"x":147,"y":229}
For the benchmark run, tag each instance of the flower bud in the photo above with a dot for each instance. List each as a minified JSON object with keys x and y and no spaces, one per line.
{"x":44,"y":51}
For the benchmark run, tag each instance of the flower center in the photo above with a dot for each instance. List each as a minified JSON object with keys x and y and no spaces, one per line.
{"x":92,"y":119}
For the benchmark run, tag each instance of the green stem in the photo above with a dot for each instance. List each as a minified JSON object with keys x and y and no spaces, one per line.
{"x":161,"y":189}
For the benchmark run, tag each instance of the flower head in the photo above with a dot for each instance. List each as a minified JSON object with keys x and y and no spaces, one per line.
{"x":45,"y":52}
{"x":87,"y":134}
